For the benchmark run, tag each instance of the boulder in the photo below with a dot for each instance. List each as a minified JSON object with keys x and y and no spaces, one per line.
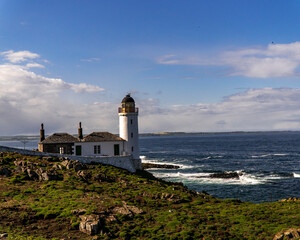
{"x":225,"y":175}
{"x":32,"y":174}
{"x":5,"y":171}
{"x":3,"y":235}
{"x":48,"y":176}
{"x":50,"y":159}
{"x":291,"y":234}
{"x":164,"y":166}
{"x":20,"y":163}
{"x":71,"y":164}
{"x":128,"y":210}
{"x":83,"y":175}
{"x":90,"y":224}
{"x":79,"y":211}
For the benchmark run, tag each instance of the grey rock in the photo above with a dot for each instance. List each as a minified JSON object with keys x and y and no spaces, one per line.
{"x":225,"y":175}
{"x":90,"y":224}
{"x":32,"y":174}
{"x":3,"y":235}
{"x":5,"y":172}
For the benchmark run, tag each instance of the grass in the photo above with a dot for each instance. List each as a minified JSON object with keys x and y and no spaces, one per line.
{"x":44,"y":209}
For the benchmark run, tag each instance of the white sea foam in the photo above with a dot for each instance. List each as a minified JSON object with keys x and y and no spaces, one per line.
{"x":200,"y":177}
{"x":296,"y":175}
{"x":248,"y":179}
{"x":267,"y":155}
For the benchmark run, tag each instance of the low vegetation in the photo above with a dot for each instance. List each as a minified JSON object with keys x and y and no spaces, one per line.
{"x":129,"y":206}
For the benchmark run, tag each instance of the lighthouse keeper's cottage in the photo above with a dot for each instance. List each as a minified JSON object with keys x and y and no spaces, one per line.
{"x":100,"y":144}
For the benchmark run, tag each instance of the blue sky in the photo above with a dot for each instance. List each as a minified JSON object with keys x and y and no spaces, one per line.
{"x":190,"y":65}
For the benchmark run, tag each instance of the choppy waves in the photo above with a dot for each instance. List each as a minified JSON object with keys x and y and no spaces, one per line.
{"x":183,"y":175}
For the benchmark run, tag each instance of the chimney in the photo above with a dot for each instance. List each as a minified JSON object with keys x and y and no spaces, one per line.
{"x":42,"y":133}
{"x":80,"y":136}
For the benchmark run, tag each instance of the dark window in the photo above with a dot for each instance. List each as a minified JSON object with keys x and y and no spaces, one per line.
{"x":78,"y":150}
{"x":97,"y":149}
{"x":117,"y":149}
{"x":131,"y":121}
{"x":131,"y":149}
{"x":131,"y":135}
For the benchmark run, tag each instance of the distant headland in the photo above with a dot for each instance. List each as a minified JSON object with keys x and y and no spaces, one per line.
{"x":34,"y":137}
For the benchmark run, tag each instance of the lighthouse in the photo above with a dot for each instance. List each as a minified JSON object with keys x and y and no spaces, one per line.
{"x":128,"y":126}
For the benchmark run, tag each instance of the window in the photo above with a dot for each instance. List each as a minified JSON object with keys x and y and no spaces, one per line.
{"x":131,"y":135}
{"x":131,"y":149}
{"x":97,"y":149}
{"x":62,"y":150}
{"x":78,"y":150}
{"x":117,"y":149}
{"x":131,"y":121}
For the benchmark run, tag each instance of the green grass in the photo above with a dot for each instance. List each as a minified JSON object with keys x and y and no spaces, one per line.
{"x":170,"y":211}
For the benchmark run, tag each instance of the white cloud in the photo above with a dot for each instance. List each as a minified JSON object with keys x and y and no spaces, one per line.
{"x":255,"y":109}
{"x":34,"y":65}
{"x":20,"y":56}
{"x":83,"y":87}
{"x":272,"y":61}
{"x":27,"y":99}
{"x":91,"y":59}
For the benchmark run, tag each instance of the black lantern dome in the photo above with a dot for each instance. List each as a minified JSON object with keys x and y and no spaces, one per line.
{"x":128,"y":105}
{"x":128,"y":99}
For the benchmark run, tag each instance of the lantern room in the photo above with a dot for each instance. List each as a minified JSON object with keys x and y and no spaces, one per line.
{"x":128,"y":105}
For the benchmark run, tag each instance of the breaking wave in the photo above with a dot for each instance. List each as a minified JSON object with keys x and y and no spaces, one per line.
{"x":296,"y":175}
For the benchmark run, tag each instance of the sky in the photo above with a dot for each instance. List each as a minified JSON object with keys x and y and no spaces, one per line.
{"x":193,"y":66}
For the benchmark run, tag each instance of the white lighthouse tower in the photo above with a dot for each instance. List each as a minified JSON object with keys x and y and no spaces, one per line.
{"x":128,"y":126}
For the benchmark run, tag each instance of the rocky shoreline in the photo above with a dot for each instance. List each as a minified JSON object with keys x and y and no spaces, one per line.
{"x":164,"y":166}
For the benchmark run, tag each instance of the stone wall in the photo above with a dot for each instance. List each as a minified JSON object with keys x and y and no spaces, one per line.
{"x":125,"y":162}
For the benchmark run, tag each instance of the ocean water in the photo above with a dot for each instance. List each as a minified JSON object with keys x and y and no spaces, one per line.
{"x":268,"y":163}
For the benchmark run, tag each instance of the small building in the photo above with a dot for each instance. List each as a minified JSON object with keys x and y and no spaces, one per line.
{"x":61,"y":143}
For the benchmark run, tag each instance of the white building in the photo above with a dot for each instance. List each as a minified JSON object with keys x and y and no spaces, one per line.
{"x":99,"y":144}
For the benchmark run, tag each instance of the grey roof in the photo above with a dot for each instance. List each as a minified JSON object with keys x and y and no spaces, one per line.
{"x":101,"y":137}
{"x":60,"y":138}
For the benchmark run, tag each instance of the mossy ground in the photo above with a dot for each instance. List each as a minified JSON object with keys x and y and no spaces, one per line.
{"x":43,"y":209}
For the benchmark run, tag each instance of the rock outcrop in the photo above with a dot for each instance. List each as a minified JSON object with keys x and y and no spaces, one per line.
{"x":293,"y":199}
{"x":5,"y":171}
{"x":35,"y":172}
{"x":225,"y":175}
{"x":127,"y":210}
{"x":291,"y":234}
{"x":90,"y":224}
{"x":73,"y":164}
{"x":165,"y":166}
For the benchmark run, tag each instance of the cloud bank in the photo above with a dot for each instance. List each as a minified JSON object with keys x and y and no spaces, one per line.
{"x":251,"y":110}
{"x":28,"y":99}
{"x":272,"y":61}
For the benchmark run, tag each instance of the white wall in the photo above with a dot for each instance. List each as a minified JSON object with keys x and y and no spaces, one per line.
{"x":125,"y":162}
{"x":107,"y":148}
{"x":128,"y":130}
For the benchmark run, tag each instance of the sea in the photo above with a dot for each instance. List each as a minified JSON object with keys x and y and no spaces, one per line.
{"x":268,"y":164}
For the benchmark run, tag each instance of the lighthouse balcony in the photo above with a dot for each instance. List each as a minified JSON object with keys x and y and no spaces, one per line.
{"x":128,"y":110}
